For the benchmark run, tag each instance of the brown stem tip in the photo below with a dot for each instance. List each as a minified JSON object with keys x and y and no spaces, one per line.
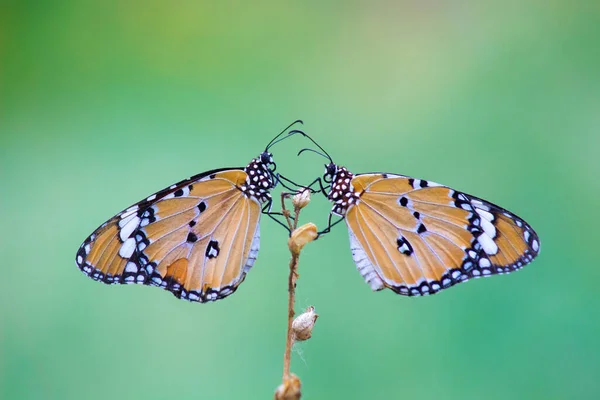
{"x":289,"y":389}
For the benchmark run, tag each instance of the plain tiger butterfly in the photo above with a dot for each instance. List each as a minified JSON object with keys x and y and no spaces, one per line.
{"x":418,"y":237}
{"x":197,"y":238}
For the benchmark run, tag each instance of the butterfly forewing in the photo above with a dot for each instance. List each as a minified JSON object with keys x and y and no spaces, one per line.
{"x":197,"y":239}
{"x":417,"y":237}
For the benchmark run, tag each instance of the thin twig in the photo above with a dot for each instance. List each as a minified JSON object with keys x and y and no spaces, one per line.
{"x":290,"y":386}
{"x":286,"y":213}
{"x":291,"y":300}
{"x":291,"y":291}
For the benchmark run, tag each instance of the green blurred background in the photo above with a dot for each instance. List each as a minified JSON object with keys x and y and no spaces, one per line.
{"x":103,"y":103}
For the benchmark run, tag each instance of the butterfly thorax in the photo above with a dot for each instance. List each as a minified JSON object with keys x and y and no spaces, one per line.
{"x":342,"y":192}
{"x":259,"y":181}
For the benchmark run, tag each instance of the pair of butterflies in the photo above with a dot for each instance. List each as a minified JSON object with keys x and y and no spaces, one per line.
{"x":198,"y":238}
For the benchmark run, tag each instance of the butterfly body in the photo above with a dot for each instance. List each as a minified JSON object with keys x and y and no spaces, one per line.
{"x":418,"y":237}
{"x":197,"y":238}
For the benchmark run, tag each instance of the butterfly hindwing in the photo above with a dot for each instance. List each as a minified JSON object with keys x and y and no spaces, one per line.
{"x":197,"y":239}
{"x":418,"y":237}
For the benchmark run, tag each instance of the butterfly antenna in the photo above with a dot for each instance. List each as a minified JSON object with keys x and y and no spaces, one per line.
{"x":277,"y":138}
{"x":314,"y":151}
{"x":322,"y":153}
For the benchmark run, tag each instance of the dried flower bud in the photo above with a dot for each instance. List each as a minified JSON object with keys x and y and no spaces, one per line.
{"x":289,"y":389}
{"x":301,"y":198}
{"x":304,"y":323}
{"x":300,"y":236}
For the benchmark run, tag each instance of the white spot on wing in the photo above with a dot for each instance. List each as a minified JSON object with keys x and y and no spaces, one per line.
{"x":131,"y":267}
{"x":484,"y":214}
{"x":212,"y":252}
{"x":487,"y":244}
{"x":129,"y":211}
{"x":128,"y":229}
{"x":125,"y":218}
{"x":488,"y":228}
{"x":127,"y":248}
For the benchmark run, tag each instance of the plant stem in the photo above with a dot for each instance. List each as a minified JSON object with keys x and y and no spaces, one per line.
{"x":291,"y":300}
{"x":291,"y":290}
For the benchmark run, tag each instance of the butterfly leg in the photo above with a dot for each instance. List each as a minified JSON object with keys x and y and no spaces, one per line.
{"x":267,"y":210}
{"x":329,"y":226}
{"x":280,"y":179}
{"x":322,"y":189}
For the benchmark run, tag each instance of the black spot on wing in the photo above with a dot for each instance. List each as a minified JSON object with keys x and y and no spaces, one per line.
{"x":212,"y":250}
{"x":404,"y":246}
{"x":192,"y":238}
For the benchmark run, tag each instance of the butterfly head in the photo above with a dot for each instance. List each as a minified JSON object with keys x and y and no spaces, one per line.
{"x":330,"y":172}
{"x":266,"y":159}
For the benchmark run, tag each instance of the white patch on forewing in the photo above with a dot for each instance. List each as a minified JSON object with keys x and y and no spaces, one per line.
{"x":129,"y":227}
{"x":129,"y":211}
{"x":488,"y":228}
{"x":363,"y":264}
{"x":484,"y":214}
{"x":125,"y":218}
{"x":487,"y":244}
{"x":127,"y":248}
{"x":466,"y":206}
{"x":535,"y":245}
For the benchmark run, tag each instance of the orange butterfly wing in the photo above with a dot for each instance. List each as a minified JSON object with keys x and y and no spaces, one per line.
{"x":197,"y":239}
{"x":417,"y":237}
